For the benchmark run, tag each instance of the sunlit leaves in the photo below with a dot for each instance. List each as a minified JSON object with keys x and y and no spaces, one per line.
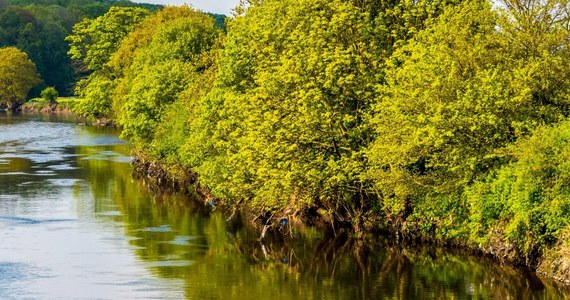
{"x":285,"y":120}
{"x":528,"y":201}
{"x":163,"y":68}
{"x":455,"y":95}
{"x":17,"y":76}
{"x":457,"y":98}
{"x":93,"y":41}
{"x":358,"y":107}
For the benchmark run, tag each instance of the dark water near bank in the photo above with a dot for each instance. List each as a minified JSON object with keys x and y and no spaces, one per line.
{"x":74,"y":224}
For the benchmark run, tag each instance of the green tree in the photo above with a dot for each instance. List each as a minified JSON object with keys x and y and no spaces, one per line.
{"x":52,"y":61}
{"x":97,"y":92}
{"x":456,"y":95}
{"x":284,"y":123}
{"x":40,"y":32}
{"x":441,"y":103}
{"x":17,"y":76}
{"x":176,"y":55}
{"x":161,"y":52}
{"x":93,"y":41}
{"x":526,"y":203}
{"x":50,"y":94}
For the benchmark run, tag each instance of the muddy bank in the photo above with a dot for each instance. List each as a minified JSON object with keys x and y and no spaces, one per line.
{"x":555,"y":261}
{"x":65,"y":107}
{"x":31,"y":107}
{"x":158,"y":176}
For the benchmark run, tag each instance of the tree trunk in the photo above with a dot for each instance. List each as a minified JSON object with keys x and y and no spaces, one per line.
{"x":13,"y":106}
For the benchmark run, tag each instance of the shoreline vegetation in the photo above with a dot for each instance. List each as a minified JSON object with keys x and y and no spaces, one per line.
{"x":437,"y":122}
{"x":554,"y":263}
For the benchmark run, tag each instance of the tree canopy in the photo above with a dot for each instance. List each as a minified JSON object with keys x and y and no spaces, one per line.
{"x":93,"y":41}
{"x":149,"y":69}
{"x":294,"y":82}
{"x":17,"y":76}
{"x":39,"y":28}
{"x":163,"y":69}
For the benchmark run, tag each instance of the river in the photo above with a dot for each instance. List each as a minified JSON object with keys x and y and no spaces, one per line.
{"x":75,"y":224}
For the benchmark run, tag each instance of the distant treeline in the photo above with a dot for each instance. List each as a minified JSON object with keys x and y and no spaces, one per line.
{"x":39,"y":28}
{"x":434,"y":120}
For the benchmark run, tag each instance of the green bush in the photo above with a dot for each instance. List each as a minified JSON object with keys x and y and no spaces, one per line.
{"x":50,"y":94}
{"x":528,"y":201}
{"x":96,"y":93}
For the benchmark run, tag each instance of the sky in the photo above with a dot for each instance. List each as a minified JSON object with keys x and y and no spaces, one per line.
{"x":213,"y":6}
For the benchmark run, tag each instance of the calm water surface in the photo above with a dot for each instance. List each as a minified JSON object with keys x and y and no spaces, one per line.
{"x":74,"y":224}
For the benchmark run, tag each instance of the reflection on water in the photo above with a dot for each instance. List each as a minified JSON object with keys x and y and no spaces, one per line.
{"x":75,"y":224}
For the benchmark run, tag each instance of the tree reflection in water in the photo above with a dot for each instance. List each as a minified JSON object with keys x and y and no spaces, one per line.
{"x":215,"y":258}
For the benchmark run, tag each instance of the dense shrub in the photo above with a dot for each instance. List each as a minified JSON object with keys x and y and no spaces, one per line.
{"x":50,"y":94}
{"x":527,"y":201}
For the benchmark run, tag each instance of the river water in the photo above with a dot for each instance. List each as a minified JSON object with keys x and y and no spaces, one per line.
{"x":74,"y":224}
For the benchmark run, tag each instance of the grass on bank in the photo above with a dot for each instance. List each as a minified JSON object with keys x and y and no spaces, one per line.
{"x":64,"y":103}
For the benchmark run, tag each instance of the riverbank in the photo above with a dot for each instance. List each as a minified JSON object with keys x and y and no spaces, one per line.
{"x":81,"y":194}
{"x":552,"y":263}
{"x":62,"y":105}
{"x":555,"y":262}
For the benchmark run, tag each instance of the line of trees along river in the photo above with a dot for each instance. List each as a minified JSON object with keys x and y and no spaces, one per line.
{"x":39,"y":28}
{"x":70,"y":212}
{"x":435,"y":120}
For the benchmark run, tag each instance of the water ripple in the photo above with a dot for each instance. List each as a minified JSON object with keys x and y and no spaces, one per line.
{"x":29,"y":221}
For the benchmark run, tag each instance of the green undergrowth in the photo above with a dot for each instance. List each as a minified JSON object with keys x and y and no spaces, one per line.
{"x":516,"y":212}
{"x":527,"y":201}
{"x":69,"y":103}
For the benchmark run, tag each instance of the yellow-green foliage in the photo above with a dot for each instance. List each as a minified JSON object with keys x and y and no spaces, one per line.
{"x":50,"y":94}
{"x":285,"y":122}
{"x":527,"y":201}
{"x":64,"y":103}
{"x":421,"y":114}
{"x":17,"y":76}
{"x":163,"y":70}
{"x":93,"y":41}
{"x":285,"y":118}
{"x":170,"y":141}
{"x":136,"y":44}
{"x":68,"y":102}
{"x":96,"y":91}
{"x":142,"y":35}
{"x":157,"y":60}
{"x":456,"y":95}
